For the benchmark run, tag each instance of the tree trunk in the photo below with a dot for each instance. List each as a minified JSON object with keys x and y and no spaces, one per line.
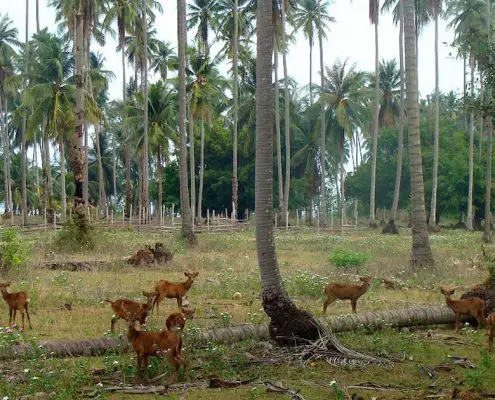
{"x":464,"y":91}
{"x":102,"y":195}
{"x":481,"y":121}
{"x":285,"y":209}
{"x":23,"y":132}
{"x":192,"y":160}
{"x":375,"y":127}
{"x":421,"y":253}
{"x":201,"y":170}
{"x":37,"y":16}
{"x":6,"y":156}
{"x":400,"y":144}
{"x":63,"y":196}
{"x":146,"y":201}
{"x":470,"y":215}
{"x":79,"y":206}
{"x":277,"y":131}
{"x":323,"y":148}
{"x":287,"y":323}
{"x":49,"y":181}
{"x":311,"y":73}
{"x":420,"y":316}
{"x":114,"y":171}
{"x":432,"y":223}
{"x":85,"y":166}
{"x":235,"y":87}
{"x":128,"y":183}
{"x":342,"y":179}
{"x":160,"y":182}
{"x":44,"y":177}
{"x":185,"y":208}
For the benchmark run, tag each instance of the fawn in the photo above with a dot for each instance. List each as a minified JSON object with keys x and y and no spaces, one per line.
{"x":130,"y":310}
{"x":473,"y":306}
{"x":17,"y":302}
{"x":178,"y":319}
{"x":171,"y":290}
{"x":156,"y":344}
{"x":490,"y":320}
{"x":343,"y":291}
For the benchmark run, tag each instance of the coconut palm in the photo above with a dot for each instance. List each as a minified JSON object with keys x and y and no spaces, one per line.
{"x":163,"y":59}
{"x":201,"y":14}
{"x":421,"y":253}
{"x":305,"y":16}
{"x":185,"y":207}
{"x":346,"y":94}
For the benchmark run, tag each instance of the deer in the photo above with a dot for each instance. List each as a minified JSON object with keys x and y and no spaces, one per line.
{"x":178,"y":319}
{"x":490,"y":321}
{"x":344,"y":291}
{"x":473,"y":306}
{"x":165,"y":342}
{"x":177,"y":290}
{"x":130,"y":310}
{"x":17,"y":302}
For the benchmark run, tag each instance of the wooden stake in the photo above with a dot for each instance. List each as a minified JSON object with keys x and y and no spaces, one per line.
{"x":297,"y":218}
{"x":287,"y":220}
{"x":46,"y":225}
{"x":173,"y":213}
{"x":208,"y":219}
{"x":130,"y":216}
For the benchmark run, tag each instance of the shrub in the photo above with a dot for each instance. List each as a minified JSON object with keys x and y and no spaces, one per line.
{"x":343,"y":258}
{"x":13,"y":253}
{"x":307,"y":284}
{"x":75,"y":236}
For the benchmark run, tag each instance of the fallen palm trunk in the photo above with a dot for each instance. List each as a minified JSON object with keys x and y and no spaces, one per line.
{"x":420,"y":316}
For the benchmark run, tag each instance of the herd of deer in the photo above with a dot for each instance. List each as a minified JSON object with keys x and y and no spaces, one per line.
{"x":168,"y":341}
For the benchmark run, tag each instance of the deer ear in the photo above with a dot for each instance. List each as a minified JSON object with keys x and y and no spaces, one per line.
{"x":186,"y":274}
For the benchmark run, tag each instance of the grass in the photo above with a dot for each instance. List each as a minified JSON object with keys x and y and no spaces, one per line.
{"x":228,"y":267}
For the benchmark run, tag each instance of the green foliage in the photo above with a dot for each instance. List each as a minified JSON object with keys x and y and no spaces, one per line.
{"x":344,"y":258}
{"x":477,"y":378}
{"x":307,"y":284}
{"x":76,"y":234}
{"x":13,"y":252}
{"x":9,"y":337}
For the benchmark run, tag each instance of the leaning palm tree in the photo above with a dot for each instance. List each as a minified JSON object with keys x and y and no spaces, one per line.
{"x":421,"y":253}
{"x":185,"y":207}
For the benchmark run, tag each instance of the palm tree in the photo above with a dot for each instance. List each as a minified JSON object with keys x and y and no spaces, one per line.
{"x":374,"y":12}
{"x":421,"y":253}
{"x":286,"y":321}
{"x":201,"y":14}
{"x":23,"y":130}
{"x":344,"y":91}
{"x":323,"y":205}
{"x":185,"y":208}
{"x":163,"y":59}
{"x":436,"y":8}
{"x":144,"y":18}
{"x":306,"y":16}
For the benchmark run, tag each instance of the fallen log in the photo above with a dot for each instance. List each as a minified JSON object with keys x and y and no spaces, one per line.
{"x":420,"y":316}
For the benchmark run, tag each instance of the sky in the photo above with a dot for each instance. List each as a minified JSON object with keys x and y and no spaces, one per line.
{"x":351,"y":37}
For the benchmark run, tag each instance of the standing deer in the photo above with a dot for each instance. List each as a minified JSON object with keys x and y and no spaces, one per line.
{"x":130,"y":310}
{"x":170,"y":290}
{"x":473,"y":306}
{"x":344,"y":291}
{"x":17,"y":302}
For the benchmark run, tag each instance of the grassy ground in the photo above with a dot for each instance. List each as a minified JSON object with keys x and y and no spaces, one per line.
{"x":227,"y":265}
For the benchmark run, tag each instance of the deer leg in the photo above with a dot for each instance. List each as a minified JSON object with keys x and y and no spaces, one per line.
{"x":176,"y":364}
{"x":139,"y":360}
{"x":15,"y":312}
{"x":179,"y":302}
{"x":156,"y":301}
{"x":353,"y":305}
{"x":490,"y":339}
{"x":457,"y":322}
{"x":328,"y":301}
{"x":27,"y":312}
{"x":112,"y":324}
{"x":10,"y":316}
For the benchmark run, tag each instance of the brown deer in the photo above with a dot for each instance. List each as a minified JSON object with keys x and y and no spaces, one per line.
{"x":344,"y":291}
{"x":17,"y":302}
{"x":147,"y":344}
{"x":473,"y":306}
{"x":178,"y":319}
{"x":130,"y":310}
{"x":490,"y":320}
{"x":170,"y":290}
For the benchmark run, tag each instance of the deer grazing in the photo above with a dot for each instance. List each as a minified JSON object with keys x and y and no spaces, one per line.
{"x":147,"y":344}
{"x":490,"y":320}
{"x":473,"y":306}
{"x":130,"y":310}
{"x":170,"y":290}
{"x":343,"y":291}
{"x":16,"y":302}
{"x":178,"y":319}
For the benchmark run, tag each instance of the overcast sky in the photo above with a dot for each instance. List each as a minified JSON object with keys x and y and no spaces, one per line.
{"x":351,"y":37}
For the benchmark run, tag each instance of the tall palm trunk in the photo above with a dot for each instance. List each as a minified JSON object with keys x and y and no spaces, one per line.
{"x":63,"y":195}
{"x":310,"y":73}
{"x":114,"y":171}
{"x":37,"y":16}
{"x":23,"y":132}
{"x":481,"y":121}
{"x":471,"y":152}
{"x":85,"y":165}
{"x":464,"y":81}
{"x":78,"y":154}
{"x":6,"y":154}
{"x":400,"y":144}
{"x":277,"y":132}
{"x":342,"y":179}
{"x":432,"y":223}
{"x":192,"y":159}
{"x":146,"y":202}
{"x":127,"y":146}
{"x":35,"y":162}
{"x":160,"y":181}
{"x":102,"y":195}
{"x":487,"y":232}
{"x":374,"y":17}
{"x":286,"y":320}
{"x":185,"y":208}
{"x":49,"y":180}
{"x":235,"y":93}
{"x":421,"y":253}
{"x":88,"y":85}
{"x":323,"y":203}
{"x":201,"y":169}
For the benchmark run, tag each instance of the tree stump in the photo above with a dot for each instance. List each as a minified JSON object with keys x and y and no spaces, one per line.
{"x":390,"y":228}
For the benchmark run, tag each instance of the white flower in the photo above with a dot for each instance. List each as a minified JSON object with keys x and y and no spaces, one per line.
{"x":5,"y":398}
{"x":35,"y":378}
{"x":26,"y":370}
{"x":333,"y":383}
{"x":99,"y":384}
{"x":115,"y":363}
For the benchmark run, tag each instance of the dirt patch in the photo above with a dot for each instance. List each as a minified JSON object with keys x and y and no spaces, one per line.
{"x":151,"y":256}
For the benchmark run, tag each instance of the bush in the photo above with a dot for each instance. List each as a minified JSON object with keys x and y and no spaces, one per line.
{"x":75,"y":236}
{"x":13,"y":253}
{"x":307,"y":284}
{"x":343,"y":258}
